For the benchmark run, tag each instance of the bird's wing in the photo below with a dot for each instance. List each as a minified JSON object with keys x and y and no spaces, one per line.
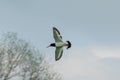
{"x":58,"y":53}
{"x":56,"y":34}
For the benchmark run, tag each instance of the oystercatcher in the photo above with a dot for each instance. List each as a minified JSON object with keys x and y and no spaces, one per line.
{"x":59,"y":44}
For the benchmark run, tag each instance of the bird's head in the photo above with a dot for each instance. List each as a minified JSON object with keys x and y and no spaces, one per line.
{"x":51,"y":45}
{"x":68,"y":44}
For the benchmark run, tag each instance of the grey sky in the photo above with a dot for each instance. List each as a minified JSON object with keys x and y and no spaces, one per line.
{"x":93,"y":27}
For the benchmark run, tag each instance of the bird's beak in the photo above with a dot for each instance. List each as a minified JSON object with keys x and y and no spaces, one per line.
{"x":48,"y":46}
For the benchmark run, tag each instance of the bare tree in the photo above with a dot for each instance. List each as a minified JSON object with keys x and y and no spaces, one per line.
{"x":19,"y":60}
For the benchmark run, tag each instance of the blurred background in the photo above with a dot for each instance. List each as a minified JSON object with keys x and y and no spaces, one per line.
{"x":92,"y":26}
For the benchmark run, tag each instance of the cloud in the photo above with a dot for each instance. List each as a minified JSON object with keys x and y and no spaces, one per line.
{"x":89,"y":63}
{"x":106,"y":51}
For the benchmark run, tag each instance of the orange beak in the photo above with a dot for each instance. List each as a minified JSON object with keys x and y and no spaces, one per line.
{"x":48,"y":46}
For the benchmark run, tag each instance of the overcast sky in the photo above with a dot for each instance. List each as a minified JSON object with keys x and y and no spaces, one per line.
{"x":92,"y":26}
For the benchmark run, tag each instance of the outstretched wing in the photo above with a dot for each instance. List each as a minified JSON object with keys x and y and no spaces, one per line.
{"x":56,"y":34}
{"x":58,"y":53}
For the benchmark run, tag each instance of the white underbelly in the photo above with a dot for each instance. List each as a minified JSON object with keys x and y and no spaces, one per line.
{"x":60,"y":44}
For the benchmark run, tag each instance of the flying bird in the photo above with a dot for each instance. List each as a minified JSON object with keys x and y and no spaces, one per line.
{"x":59,"y":44}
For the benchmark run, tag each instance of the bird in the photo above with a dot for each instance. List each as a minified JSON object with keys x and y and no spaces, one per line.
{"x":59,"y":44}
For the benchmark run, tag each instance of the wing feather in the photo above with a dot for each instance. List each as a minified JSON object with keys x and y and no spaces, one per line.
{"x":58,"y":53}
{"x":56,"y":34}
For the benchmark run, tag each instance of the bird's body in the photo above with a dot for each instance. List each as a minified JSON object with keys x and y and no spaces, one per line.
{"x":59,"y":44}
